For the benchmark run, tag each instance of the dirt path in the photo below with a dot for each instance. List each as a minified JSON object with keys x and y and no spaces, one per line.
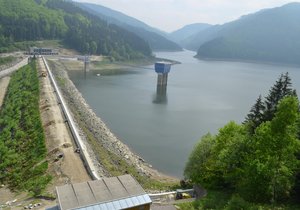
{"x":3,"y":86}
{"x":64,"y":164}
{"x":10,"y":70}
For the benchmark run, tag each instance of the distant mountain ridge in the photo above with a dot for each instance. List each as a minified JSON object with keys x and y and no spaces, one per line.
{"x":270,"y":35}
{"x":155,"y":38}
{"x":180,"y":35}
{"x":113,"y":15}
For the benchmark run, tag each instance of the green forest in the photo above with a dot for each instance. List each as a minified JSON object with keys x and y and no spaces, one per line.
{"x":22,"y":140}
{"x":34,"y":20}
{"x":254,"y":164}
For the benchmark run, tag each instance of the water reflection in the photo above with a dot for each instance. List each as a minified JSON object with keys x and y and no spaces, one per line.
{"x":161,"y":96}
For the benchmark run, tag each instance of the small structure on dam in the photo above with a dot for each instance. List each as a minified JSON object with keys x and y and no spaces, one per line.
{"x":122,"y":192}
{"x":35,"y":51}
{"x":162,"y":69}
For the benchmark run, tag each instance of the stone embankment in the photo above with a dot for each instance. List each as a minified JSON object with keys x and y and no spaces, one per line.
{"x":98,"y":128}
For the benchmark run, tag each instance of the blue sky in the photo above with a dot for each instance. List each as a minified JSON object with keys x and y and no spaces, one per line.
{"x":169,"y":15}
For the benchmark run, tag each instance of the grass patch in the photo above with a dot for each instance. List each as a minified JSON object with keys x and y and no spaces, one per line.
{"x":6,"y":60}
{"x":220,"y":200}
{"x":61,"y":81}
{"x":107,"y":63}
{"x":22,"y":140}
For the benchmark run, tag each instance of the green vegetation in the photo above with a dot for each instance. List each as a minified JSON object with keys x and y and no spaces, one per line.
{"x":255,"y":162}
{"x":270,"y":36}
{"x":28,"y":21}
{"x":6,"y":60}
{"x":22,"y":141}
{"x":31,"y":20}
{"x":220,"y":200}
{"x":24,"y":45}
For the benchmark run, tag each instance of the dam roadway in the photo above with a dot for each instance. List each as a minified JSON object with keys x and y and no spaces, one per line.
{"x":84,"y":153}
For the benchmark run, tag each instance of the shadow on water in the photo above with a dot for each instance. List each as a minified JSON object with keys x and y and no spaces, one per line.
{"x":161,"y":96}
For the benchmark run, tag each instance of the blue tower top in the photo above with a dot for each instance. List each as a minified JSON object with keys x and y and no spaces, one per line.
{"x":162,"y":67}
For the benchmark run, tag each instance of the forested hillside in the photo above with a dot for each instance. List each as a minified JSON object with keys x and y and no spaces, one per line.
{"x":56,"y":19}
{"x":117,"y":16}
{"x":270,"y":35}
{"x":26,"y":20}
{"x":155,"y":38}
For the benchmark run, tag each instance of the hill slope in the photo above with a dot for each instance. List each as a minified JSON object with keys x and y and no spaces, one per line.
{"x":194,"y":41}
{"x":154,"y":37}
{"x":57,"y":19}
{"x":187,"y":31}
{"x":270,"y":35}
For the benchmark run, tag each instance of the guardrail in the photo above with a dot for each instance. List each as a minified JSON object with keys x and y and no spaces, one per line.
{"x":78,"y":140}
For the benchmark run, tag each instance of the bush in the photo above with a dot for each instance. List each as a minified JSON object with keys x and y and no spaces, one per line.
{"x":214,"y":200}
{"x":237,"y":203}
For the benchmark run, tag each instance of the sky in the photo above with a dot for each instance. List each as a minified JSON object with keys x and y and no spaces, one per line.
{"x":170,"y":15}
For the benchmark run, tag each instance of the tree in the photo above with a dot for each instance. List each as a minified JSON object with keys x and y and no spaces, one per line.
{"x":263,"y":111}
{"x":270,"y":168}
{"x":93,"y":47}
{"x":86,"y":47}
{"x":216,"y":160}
{"x":282,"y":88}
{"x":196,"y":168}
{"x":256,"y":115}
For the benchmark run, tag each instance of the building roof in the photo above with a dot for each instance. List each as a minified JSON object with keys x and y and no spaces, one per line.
{"x":108,"y":193}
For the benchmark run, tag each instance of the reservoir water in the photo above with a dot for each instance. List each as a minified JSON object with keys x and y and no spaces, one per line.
{"x":201,"y":97}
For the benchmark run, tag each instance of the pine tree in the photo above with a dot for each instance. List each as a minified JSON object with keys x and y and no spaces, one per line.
{"x":256,"y":115}
{"x":263,"y":111}
{"x":282,"y":88}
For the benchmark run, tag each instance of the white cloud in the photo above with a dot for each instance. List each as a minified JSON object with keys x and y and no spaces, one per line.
{"x":170,"y":15}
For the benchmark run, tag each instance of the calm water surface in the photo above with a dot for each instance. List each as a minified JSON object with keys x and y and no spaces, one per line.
{"x":201,"y":97}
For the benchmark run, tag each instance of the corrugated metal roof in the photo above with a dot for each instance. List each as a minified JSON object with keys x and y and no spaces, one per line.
{"x":53,"y":208}
{"x":119,"y":204}
{"x":109,"y":193}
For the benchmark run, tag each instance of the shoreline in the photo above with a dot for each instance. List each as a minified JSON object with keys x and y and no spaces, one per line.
{"x":101,"y":63}
{"x":247,"y":61}
{"x":93,"y":127}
